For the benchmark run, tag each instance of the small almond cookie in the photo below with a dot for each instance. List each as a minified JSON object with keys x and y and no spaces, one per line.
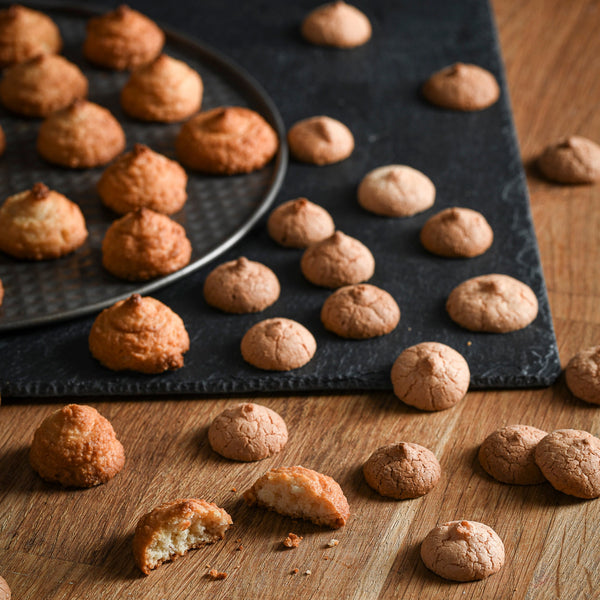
{"x":360,"y":312}
{"x":337,"y":261}
{"x":40,"y":86}
{"x":430,"y":376}
{"x":299,"y":223}
{"x":572,"y":160}
{"x":80,"y":136}
{"x":241,"y":286}
{"x":403,"y":470}
{"x":143,"y":245}
{"x":143,"y":178}
{"x":493,"y":303}
{"x":278,"y":345}
{"x":25,"y":33}
{"x":165,"y":90}
{"x":139,"y":334}
{"x":248,"y":432}
{"x":582,"y":375}
{"x":320,"y":141}
{"x":457,"y":233}
{"x":570,"y":461}
{"x":396,"y":191}
{"x":508,"y":454}
{"x":5,"y":593}
{"x":336,"y":24}
{"x":463,"y":551}
{"x":301,"y":494}
{"x":226,"y":140}
{"x":173,"y":528}
{"x":122,"y":39}
{"x":462,"y":87}
{"x":40,"y":224}
{"x":76,"y":447}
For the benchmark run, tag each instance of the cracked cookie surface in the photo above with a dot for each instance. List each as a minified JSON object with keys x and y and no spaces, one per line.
{"x":463,"y":551}
{"x":402,"y":470}
{"x":360,"y":312}
{"x":508,"y":454}
{"x":248,"y":432}
{"x":570,"y":461}
{"x":493,"y":303}
{"x":278,"y":345}
{"x":582,"y":375}
{"x":430,"y":376}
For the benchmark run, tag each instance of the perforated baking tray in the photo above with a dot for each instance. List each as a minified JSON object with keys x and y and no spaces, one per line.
{"x":219,"y":210}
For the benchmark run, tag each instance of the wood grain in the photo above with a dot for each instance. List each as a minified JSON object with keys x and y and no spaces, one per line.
{"x":70,"y":544}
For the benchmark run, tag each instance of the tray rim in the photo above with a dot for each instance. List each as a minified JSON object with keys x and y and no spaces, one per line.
{"x":250,"y":87}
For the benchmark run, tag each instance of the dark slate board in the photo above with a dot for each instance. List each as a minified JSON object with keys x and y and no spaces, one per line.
{"x":472,"y":158}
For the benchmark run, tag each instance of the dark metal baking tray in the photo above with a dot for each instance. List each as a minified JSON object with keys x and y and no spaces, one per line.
{"x":219,"y":210}
{"x":473,"y":158}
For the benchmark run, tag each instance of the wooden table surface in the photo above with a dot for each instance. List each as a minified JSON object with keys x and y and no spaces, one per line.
{"x":59,"y":544}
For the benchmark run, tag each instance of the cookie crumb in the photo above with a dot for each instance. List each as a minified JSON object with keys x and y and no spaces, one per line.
{"x":292,"y":540}
{"x":333,"y":542}
{"x":217,"y":575}
{"x":469,"y":343}
{"x":239,"y":548}
{"x":294,"y":571}
{"x":234,"y":489}
{"x":308,"y":572}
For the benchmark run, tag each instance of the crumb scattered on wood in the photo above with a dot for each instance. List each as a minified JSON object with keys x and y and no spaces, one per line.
{"x":333,"y":542}
{"x":294,"y":571}
{"x":216,"y":575}
{"x":234,"y":489}
{"x":307,"y":572}
{"x":292,"y":540}
{"x":240,"y":547}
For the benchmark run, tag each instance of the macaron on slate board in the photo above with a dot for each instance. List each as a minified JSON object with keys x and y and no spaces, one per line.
{"x":472,"y":158}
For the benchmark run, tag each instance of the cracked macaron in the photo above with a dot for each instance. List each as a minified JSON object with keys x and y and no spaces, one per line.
{"x":430,"y":376}
{"x":402,"y":470}
{"x":247,"y":432}
{"x":278,"y":345}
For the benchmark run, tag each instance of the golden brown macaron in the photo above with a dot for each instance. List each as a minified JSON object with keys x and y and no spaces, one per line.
{"x":508,"y":454}
{"x":570,"y":460}
{"x":77,"y":447}
{"x":337,"y":24}
{"x":299,"y":223}
{"x":173,"y":528}
{"x":241,"y":286}
{"x":430,"y":376}
{"x":301,"y":493}
{"x":143,"y":245}
{"x":402,"y":470}
{"x":462,"y":87}
{"x":40,"y":86}
{"x":278,"y":345}
{"x":360,"y":311}
{"x":457,"y":233}
{"x":40,"y":224}
{"x":226,"y":141}
{"x":25,"y":33}
{"x":337,"y":261}
{"x":493,"y":303}
{"x":320,"y":140}
{"x":247,"y":432}
{"x":139,"y":334}
{"x":80,"y":136}
{"x":122,"y":39}
{"x":143,"y":178}
{"x":463,"y":551}
{"x":396,"y":191}
{"x":165,"y":90}
{"x":572,"y":160}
